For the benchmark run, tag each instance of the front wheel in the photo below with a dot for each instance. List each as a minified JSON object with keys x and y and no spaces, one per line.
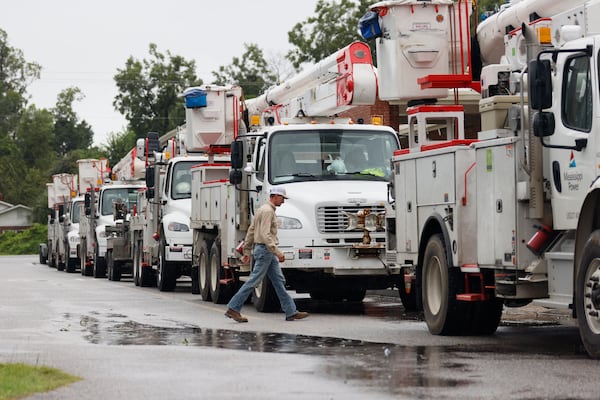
{"x":440,"y":286}
{"x":166,"y":271}
{"x":99,"y":269}
{"x":587,"y":295}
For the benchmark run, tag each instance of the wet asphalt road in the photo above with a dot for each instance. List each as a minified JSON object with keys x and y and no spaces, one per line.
{"x":128,"y":342}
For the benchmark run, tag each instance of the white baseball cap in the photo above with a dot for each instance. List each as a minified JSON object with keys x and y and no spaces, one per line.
{"x":278,"y":190}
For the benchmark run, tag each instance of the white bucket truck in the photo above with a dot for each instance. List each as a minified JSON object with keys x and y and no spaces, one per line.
{"x":512,"y":216}
{"x":62,"y":203}
{"x":161,"y":234}
{"x":334,"y":172}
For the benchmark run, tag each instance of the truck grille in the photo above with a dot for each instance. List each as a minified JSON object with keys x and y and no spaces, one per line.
{"x":331,"y":219}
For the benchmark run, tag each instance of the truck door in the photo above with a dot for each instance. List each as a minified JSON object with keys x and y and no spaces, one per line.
{"x":575,"y":110}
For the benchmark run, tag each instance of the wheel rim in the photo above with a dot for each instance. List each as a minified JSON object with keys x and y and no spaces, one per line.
{"x":591,"y":298}
{"x":214,"y":273}
{"x":258,"y":290}
{"x":433,"y":280}
{"x":202,"y":270}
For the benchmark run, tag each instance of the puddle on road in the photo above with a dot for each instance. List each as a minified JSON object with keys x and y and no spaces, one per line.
{"x":391,"y":368}
{"x":387,"y":367}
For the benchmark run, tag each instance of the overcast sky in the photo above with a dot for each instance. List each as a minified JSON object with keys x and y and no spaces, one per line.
{"x":83,"y":43}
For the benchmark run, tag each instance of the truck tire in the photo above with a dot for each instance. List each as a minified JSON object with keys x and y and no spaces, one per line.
{"x":587,"y":295}
{"x":485,"y":316}
{"x":116,"y":270}
{"x":60,"y":263}
{"x":113,"y":268}
{"x":109,"y":265}
{"x":99,"y":269}
{"x":51,"y":256}
{"x":137,"y":263}
{"x":220,"y":293}
{"x":204,"y":270}
{"x":71,"y":262}
{"x":264,"y":297}
{"x":166,"y":271}
{"x":409,"y":300}
{"x":440,"y":286}
{"x":43,"y":253}
{"x":147,"y":276}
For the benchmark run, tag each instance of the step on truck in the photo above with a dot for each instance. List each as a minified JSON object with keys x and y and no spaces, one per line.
{"x":510,"y":216}
{"x":334,"y":171}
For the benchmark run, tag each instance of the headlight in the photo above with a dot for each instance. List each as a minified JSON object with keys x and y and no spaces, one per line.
{"x":178,"y":227}
{"x":288,"y":223}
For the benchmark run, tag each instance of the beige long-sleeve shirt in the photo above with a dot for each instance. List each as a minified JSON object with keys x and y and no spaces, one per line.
{"x":263,"y":230}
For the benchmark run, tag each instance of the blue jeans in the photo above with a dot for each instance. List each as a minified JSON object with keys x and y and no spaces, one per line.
{"x":266,"y":264}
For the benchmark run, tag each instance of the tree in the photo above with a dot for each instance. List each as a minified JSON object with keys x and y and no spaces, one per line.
{"x":35,"y":138}
{"x":250,"y":71}
{"x":149,"y":91}
{"x":334,"y":26}
{"x":69,"y":132}
{"x":15,"y":76}
{"x":118,"y":145}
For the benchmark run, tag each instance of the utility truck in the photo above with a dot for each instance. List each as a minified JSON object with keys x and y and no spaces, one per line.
{"x":98,"y":213}
{"x":60,"y":252}
{"x":334,"y":172}
{"x":513,"y":215}
{"x":119,"y":249}
{"x":161,"y":234}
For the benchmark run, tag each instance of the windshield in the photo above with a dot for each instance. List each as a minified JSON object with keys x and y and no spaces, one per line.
{"x":182,"y":180}
{"x":127,"y":195}
{"x":76,"y":212}
{"x":330,"y":155}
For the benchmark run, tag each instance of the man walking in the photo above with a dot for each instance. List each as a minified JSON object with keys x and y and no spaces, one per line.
{"x":262,"y":236}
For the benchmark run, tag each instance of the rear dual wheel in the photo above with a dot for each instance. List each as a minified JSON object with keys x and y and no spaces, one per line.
{"x":220,"y":289}
{"x":204,"y":270}
{"x":444,"y":314}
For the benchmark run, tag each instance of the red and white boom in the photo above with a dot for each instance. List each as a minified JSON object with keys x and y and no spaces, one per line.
{"x":333,"y":85}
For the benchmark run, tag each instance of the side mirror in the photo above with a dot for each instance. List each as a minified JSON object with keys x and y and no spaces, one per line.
{"x":543,"y":124}
{"x":149,"y":177}
{"x":150,"y":193}
{"x":237,"y":154}
{"x":540,"y":84}
{"x":235,"y":176}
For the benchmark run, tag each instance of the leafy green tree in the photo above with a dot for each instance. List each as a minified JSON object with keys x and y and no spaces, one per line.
{"x":250,"y":71}
{"x":26,"y":160}
{"x":334,"y":26}
{"x":70,"y":133}
{"x":150,"y":89}
{"x":118,"y":145}
{"x":15,"y":76}
{"x":35,"y":138}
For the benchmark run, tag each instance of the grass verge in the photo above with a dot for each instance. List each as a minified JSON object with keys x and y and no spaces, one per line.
{"x":19,"y":380}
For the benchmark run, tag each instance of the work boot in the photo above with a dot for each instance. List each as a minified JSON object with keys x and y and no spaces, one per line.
{"x":236,"y":316}
{"x":298,"y":315}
